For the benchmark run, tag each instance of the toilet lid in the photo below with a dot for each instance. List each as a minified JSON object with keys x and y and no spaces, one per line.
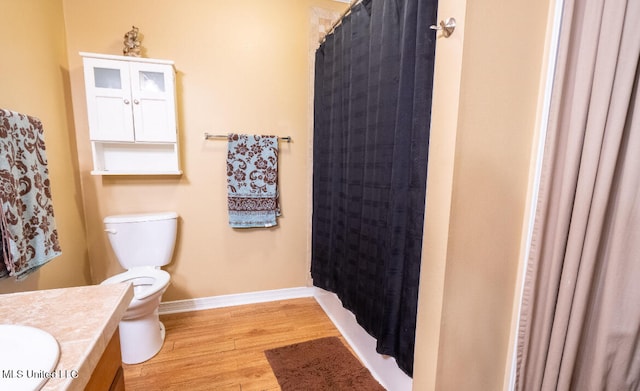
{"x":160,"y":279}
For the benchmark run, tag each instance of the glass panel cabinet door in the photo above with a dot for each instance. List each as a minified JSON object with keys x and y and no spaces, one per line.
{"x":107,"y":78}
{"x":151,"y":81}
{"x":153,"y":92}
{"x":109,"y":102}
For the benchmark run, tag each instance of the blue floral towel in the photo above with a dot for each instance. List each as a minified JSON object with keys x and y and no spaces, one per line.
{"x":27,"y":227}
{"x":252,"y":179}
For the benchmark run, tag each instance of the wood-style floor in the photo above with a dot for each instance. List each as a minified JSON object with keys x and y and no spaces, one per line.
{"x":223,"y":349}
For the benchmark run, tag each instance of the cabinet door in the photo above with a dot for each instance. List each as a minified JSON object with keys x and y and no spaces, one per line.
{"x":109,"y":102}
{"x":153,"y":96}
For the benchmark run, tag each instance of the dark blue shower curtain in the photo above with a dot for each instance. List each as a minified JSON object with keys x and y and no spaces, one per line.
{"x":372,"y":110}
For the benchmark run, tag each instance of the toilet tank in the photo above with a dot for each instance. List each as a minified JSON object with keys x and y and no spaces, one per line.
{"x":142,"y":239}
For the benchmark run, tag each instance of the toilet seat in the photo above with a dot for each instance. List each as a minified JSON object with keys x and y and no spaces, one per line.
{"x":153,"y":280}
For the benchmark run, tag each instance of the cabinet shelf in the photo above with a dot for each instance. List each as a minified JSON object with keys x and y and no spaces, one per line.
{"x":133,"y":158}
{"x":125,"y":173}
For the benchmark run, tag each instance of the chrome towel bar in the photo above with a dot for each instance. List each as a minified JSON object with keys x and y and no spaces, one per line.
{"x":208,"y":136}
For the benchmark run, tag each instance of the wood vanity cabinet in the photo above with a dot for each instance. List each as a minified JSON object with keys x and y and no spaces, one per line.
{"x":108,"y":375}
{"x":131,"y":108}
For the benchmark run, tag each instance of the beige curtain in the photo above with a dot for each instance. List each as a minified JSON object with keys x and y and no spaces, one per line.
{"x":580,"y":319}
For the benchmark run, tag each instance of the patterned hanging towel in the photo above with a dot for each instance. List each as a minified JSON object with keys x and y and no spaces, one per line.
{"x":252,"y":181}
{"x":27,"y":226}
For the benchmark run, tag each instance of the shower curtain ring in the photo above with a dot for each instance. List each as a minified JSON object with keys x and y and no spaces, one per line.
{"x":447,"y":27}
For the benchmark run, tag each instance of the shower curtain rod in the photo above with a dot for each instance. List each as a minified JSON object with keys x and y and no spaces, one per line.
{"x":337,"y":22}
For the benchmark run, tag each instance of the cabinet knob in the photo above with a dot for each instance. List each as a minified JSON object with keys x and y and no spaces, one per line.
{"x":136,"y":101}
{"x":126,"y":101}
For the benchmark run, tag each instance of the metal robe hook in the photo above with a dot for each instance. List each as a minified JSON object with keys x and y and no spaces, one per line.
{"x":446,"y":26}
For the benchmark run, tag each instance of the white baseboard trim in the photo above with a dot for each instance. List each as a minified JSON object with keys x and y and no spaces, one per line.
{"x":383,"y":368}
{"x":205,"y":303}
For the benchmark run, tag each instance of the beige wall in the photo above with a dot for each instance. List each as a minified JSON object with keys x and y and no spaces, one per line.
{"x":242,"y":66}
{"x":482,"y":154}
{"x":35,"y":81}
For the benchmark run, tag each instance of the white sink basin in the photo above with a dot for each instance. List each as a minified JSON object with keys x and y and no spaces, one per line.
{"x":28,"y":357}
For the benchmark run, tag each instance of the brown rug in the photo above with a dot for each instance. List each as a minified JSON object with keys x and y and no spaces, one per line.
{"x":320,"y":364}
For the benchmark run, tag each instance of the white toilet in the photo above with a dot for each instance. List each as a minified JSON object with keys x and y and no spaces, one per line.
{"x":142,"y":243}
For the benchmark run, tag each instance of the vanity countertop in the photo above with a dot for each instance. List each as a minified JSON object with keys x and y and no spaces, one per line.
{"x":82,"y":319}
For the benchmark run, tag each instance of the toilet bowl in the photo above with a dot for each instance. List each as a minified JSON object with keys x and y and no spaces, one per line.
{"x":142,"y":243}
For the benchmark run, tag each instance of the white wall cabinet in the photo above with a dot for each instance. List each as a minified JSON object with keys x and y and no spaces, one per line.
{"x":131,"y":105}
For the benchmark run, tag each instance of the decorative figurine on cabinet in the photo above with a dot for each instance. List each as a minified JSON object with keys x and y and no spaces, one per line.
{"x":131,"y":43}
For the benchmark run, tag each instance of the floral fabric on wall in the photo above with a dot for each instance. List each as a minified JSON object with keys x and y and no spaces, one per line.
{"x":252,"y":181}
{"x":27,"y":225}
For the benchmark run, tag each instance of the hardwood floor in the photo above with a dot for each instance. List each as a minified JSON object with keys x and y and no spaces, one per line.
{"x":222,"y":349}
